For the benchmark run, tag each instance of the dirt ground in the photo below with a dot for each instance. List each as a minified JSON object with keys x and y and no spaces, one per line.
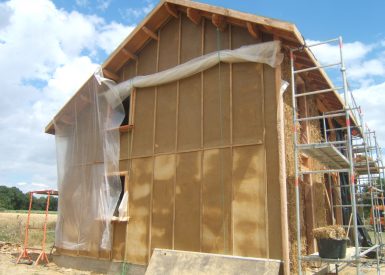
{"x":9,"y":253}
{"x":12,"y":227}
{"x":12,"y":230}
{"x":368,"y":268}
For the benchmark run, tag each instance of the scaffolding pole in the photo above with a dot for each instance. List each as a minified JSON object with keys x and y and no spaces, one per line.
{"x":355,"y":143}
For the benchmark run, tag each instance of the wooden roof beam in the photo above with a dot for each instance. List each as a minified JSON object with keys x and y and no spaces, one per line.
{"x":317,"y":82}
{"x":253,"y":30}
{"x":150,"y":33}
{"x":194,"y":15}
{"x":171,"y":9}
{"x":129,"y":54}
{"x":219,"y":21}
{"x":111,"y":75}
{"x":303,"y":61}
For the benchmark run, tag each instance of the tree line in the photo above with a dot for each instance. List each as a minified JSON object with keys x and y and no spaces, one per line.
{"x":12,"y":198}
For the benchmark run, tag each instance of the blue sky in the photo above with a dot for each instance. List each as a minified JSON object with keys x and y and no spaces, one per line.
{"x":49,"y":48}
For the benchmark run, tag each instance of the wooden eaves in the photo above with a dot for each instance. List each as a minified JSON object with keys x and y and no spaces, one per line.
{"x":256,"y":25}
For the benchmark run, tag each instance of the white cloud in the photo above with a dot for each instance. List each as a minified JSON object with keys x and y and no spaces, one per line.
{"x":372,"y":100}
{"x":374,"y":67}
{"x":82,"y":3}
{"x":46,"y":54}
{"x":110,"y":36}
{"x":22,"y":183}
{"x":365,"y":64}
{"x":39,"y":184}
{"x":363,"y":61}
{"x":133,"y":14}
{"x":103,"y":4}
{"x":329,"y":53}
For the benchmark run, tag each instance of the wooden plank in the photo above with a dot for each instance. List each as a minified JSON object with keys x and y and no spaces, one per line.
{"x":153,"y":151}
{"x":219,"y":22}
{"x":176,"y":134}
{"x":253,"y":30}
{"x":129,"y":54}
{"x":309,"y":212}
{"x":111,"y":75}
{"x":171,"y":9}
{"x":150,"y":33}
{"x":194,"y":15}
{"x":271,"y":95}
{"x":236,"y":14}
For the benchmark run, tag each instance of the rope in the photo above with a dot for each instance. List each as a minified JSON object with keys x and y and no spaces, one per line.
{"x":224,"y":223}
{"x":125,"y":268}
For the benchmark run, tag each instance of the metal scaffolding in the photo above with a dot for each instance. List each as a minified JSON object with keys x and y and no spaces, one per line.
{"x":352,"y":156}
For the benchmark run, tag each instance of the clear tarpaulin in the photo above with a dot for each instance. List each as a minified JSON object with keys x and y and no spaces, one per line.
{"x":267,"y":53}
{"x":87,"y":142}
{"x":88,"y":147}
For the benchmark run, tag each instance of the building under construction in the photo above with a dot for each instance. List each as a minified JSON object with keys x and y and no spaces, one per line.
{"x":215,"y":131}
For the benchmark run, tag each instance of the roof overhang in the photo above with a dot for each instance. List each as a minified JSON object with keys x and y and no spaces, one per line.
{"x":255,"y":24}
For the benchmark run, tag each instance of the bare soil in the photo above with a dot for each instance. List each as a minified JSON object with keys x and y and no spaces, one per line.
{"x":12,"y":231}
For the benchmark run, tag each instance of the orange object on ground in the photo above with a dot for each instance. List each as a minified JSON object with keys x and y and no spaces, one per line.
{"x":24,"y":253}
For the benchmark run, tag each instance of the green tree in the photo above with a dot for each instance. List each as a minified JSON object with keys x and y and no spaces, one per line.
{"x":12,"y":198}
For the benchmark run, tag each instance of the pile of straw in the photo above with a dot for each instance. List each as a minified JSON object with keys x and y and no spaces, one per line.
{"x":335,"y":232}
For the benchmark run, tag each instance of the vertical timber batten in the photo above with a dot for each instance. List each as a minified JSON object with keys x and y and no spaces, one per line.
{"x":180,"y":154}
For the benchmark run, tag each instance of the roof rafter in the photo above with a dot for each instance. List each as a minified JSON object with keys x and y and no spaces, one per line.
{"x":150,"y":33}
{"x":219,"y":21}
{"x":253,"y":30}
{"x":171,"y":9}
{"x":194,"y":15}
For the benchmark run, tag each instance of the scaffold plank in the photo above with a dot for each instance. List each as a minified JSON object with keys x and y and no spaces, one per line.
{"x":327,"y":154}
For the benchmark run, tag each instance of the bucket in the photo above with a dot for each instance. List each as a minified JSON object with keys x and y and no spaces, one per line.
{"x":332,"y":249}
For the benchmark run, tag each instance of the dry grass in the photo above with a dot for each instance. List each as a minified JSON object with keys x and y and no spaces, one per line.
{"x":12,"y":228}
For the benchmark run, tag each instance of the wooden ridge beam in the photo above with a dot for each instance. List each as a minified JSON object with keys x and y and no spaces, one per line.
{"x":150,"y":33}
{"x":111,"y":75}
{"x":129,"y":54}
{"x":219,"y":21}
{"x":194,"y":15}
{"x":171,"y":9}
{"x":253,"y":30}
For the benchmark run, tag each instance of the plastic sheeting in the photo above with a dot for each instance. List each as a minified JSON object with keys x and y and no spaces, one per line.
{"x":268,"y":53}
{"x":88,"y":147}
{"x":87,"y":142}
